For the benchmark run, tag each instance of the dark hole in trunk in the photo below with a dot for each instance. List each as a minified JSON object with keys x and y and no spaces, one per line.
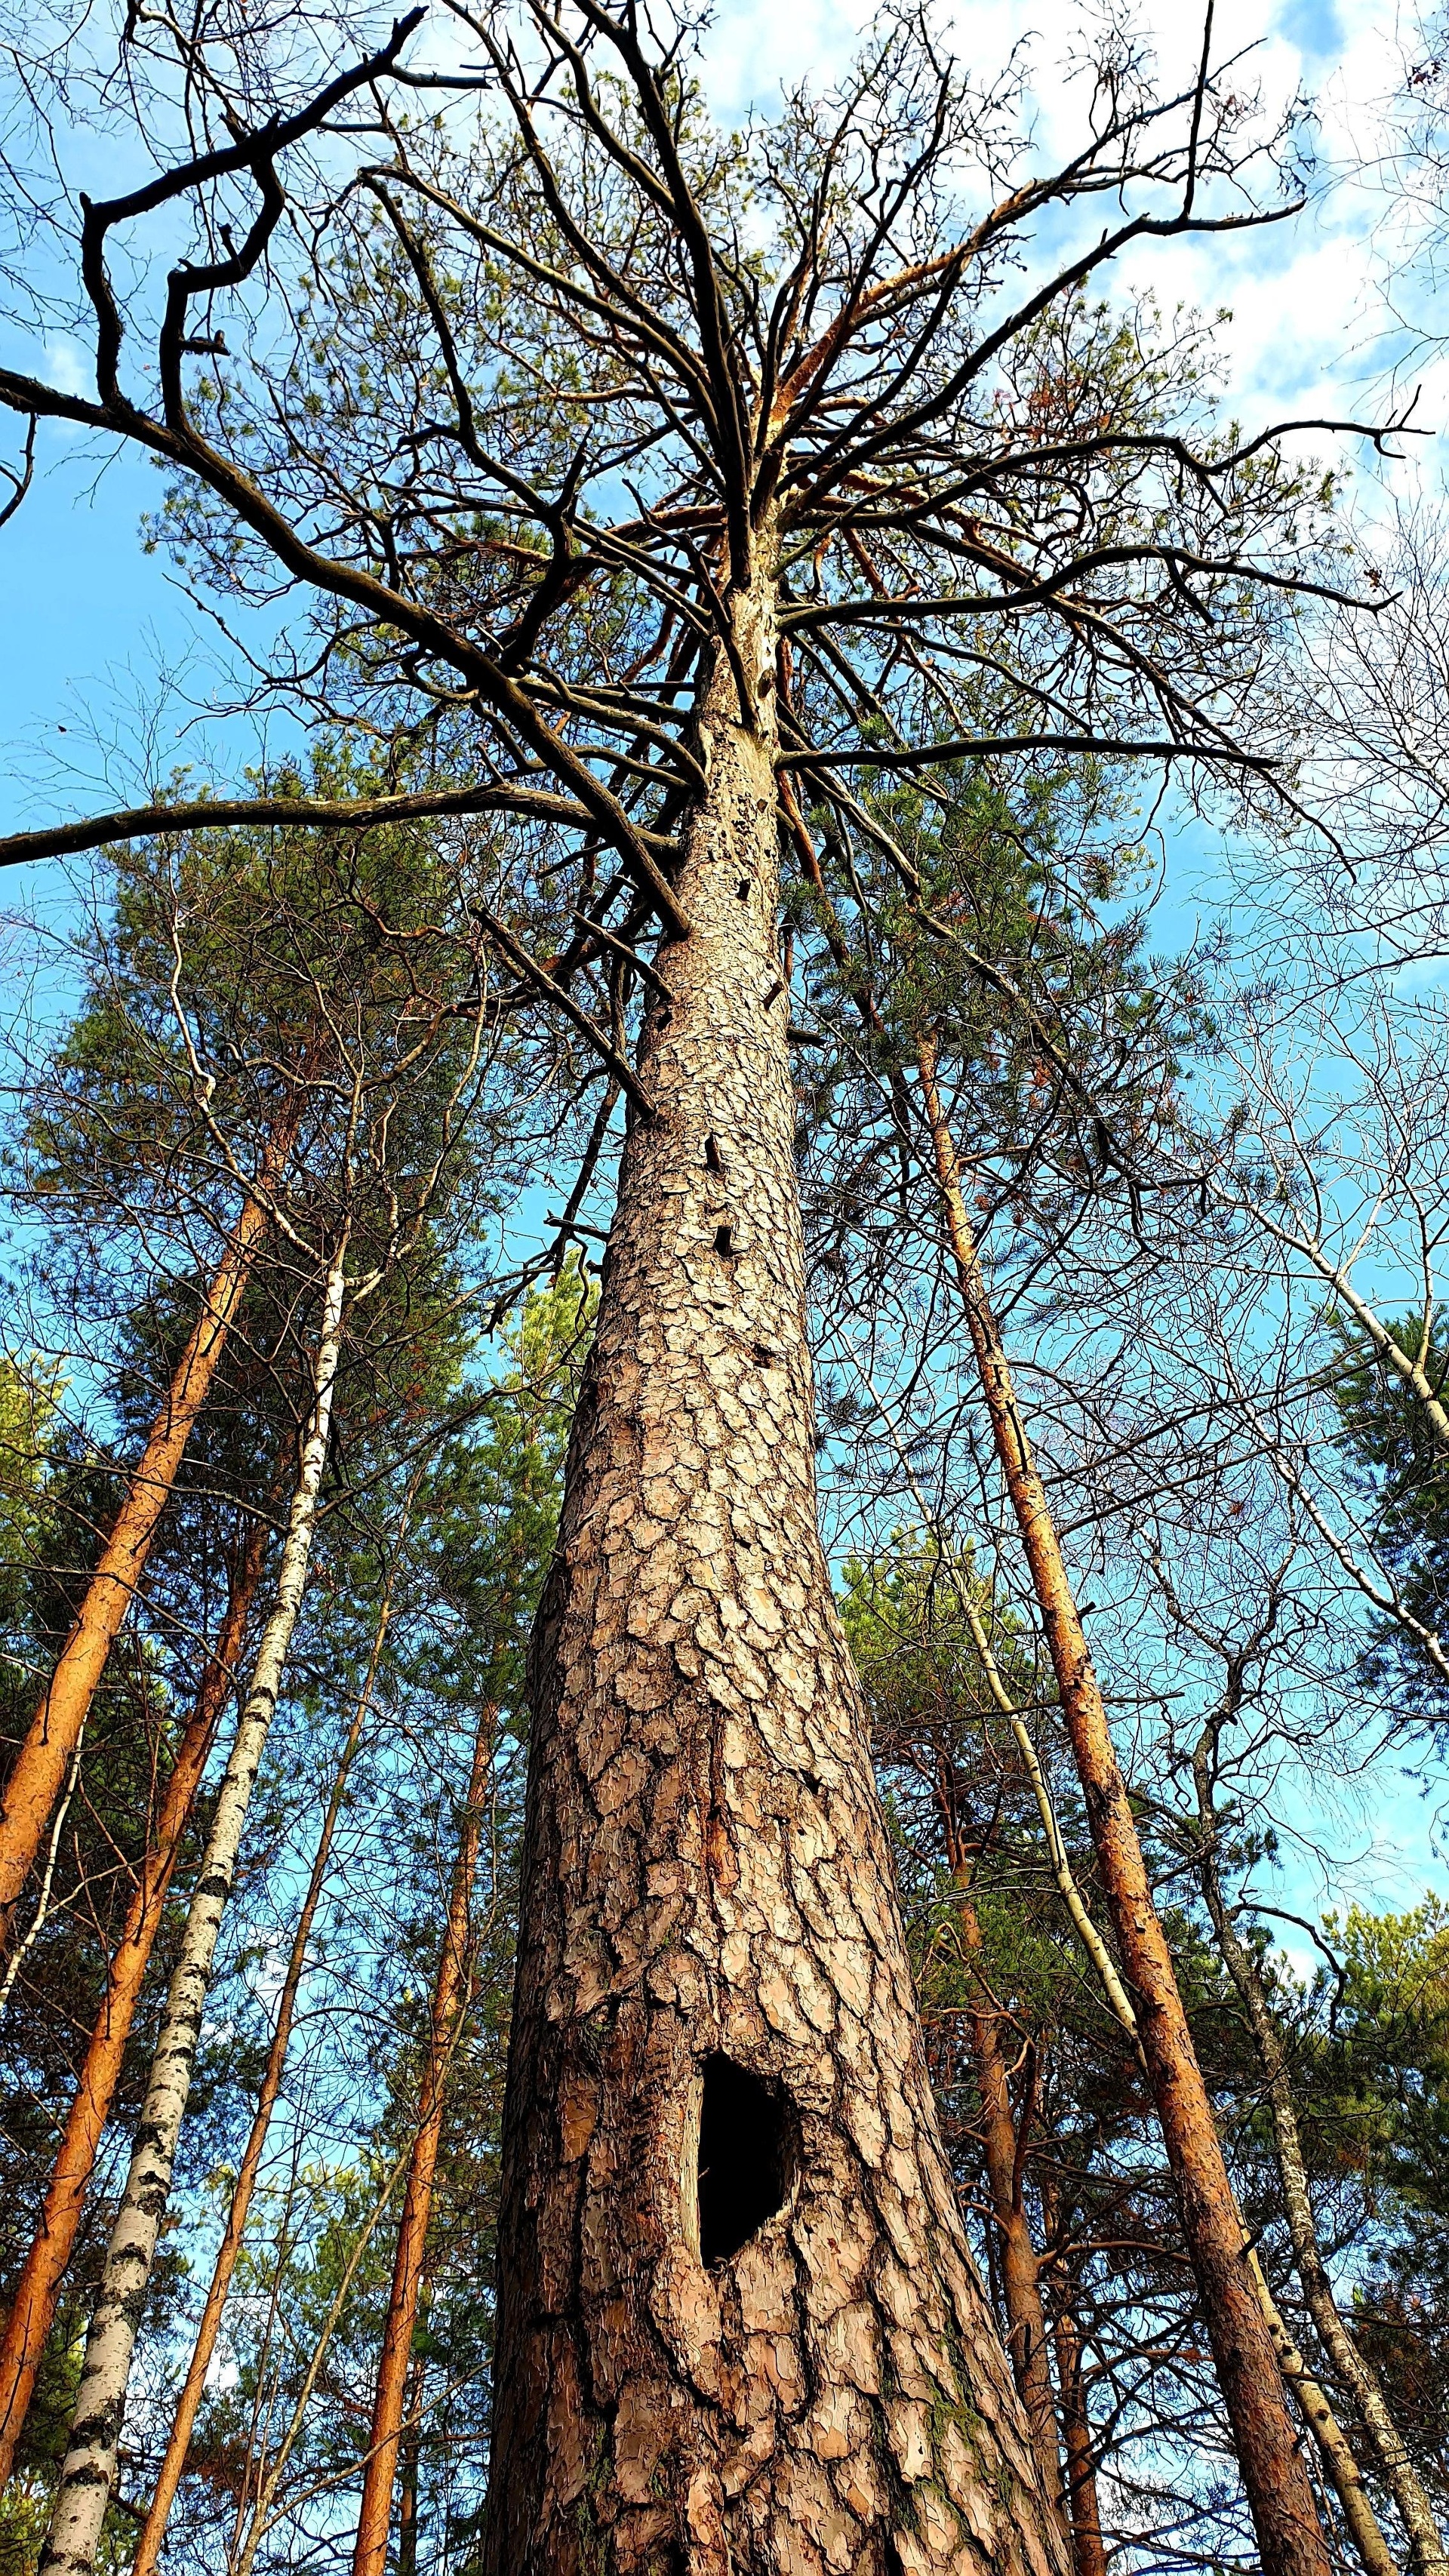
{"x":712,"y":1161}
{"x":742,"y":890}
{"x":746,"y":2155}
{"x":724,"y":1243}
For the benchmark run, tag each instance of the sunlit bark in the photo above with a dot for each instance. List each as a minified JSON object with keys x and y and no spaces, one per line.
{"x":737,"y":2322}
{"x":40,"y":1766}
{"x":32,"y":2310}
{"x":1279,"y":2494}
{"x":88,"y":2472}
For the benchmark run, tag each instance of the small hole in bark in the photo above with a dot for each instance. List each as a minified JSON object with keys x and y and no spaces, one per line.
{"x":724,"y":1243}
{"x":746,"y":2157}
{"x":712,"y":1161}
{"x":742,"y":890}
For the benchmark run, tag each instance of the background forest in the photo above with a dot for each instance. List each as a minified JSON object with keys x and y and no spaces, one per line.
{"x":1121,"y":1076}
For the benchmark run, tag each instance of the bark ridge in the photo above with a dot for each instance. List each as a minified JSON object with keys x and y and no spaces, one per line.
{"x":708,"y":1880}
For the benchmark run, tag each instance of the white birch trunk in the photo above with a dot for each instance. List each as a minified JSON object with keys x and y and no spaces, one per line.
{"x":89,"y":2472}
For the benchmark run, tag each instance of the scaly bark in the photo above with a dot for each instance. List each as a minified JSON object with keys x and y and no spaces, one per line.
{"x":178,"y":2443}
{"x":43,"y":1759}
{"x":88,"y":2472}
{"x":32,"y":2310}
{"x":1280,"y":2496}
{"x":1390,"y":2452}
{"x":450,"y":1997}
{"x":738,"y":2327}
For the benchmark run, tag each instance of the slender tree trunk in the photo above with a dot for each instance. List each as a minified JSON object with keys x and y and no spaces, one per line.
{"x":41,"y":1915}
{"x":1088,"y":2554}
{"x":32,"y":2309}
{"x":89,"y":2470}
{"x":1390,"y":2452}
{"x":450,"y":1998}
{"x":738,"y":2328}
{"x":148,"y":2548}
{"x":40,"y":1766}
{"x":407,"y":2507}
{"x":1279,"y":2492}
{"x":1335,"y":2451}
{"x":1002,"y":2146}
{"x":1020,"y":2273}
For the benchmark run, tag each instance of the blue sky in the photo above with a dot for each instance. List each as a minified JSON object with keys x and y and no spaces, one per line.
{"x":90,"y":612}
{"x":91,"y":617}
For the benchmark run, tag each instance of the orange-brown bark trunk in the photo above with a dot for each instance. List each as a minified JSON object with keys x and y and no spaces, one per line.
{"x":44,"y":1757}
{"x":1088,"y":2553}
{"x":450,"y":1995}
{"x":32,"y":2310}
{"x":1002,"y":2146}
{"x":1275,"y":2478}
{"x":737,"y":2325}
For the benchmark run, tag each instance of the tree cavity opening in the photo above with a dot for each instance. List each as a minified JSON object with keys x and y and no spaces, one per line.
{"x":746,"y":2157}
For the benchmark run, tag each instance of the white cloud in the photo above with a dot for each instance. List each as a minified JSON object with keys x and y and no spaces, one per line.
{"x":65,"y":367}
{"x":1308,"y":316}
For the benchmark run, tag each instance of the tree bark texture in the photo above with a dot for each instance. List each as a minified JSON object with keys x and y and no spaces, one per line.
{"x":32,"y":2310}
{"x":178,"y":2441}
{"x":1390,"y":2452}
{"x":450,"y":1999}
{"x":88,"y":2473}
{"x":41,"y":1764}
{"x":739,"y":2333}
{"x":1280,"y":2495}
{"x":1334,"y":2448}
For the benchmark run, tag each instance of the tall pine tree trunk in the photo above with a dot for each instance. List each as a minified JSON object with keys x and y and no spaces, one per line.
{"x":32,"y":2310}
{"x":1280,"y":2495}
{"x":450,"y":1997}
{"x":88,"y":2472}
{"x":738,"y":2328}
{"x":43,"y":1759}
